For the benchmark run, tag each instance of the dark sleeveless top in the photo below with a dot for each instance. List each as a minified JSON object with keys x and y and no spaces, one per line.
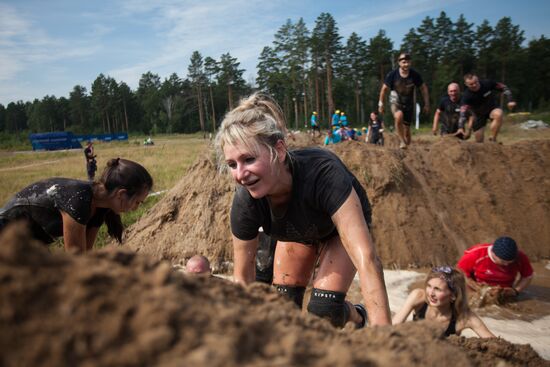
{"x":421,"y":315}
{"x":41,"y":204}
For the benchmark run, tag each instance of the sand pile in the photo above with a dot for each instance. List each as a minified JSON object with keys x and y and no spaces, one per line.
{"x":430,"y":202}
{"x":116,"y":307}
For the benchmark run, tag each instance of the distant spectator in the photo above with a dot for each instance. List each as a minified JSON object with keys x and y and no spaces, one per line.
{"x":497,"y":265}
{"x":198,"y":264}
{"x":315,"y":123}
{"x":336,"y":119}
{"x":376,"y":129}
{"x":343,"y":119}
{"x":91,"y":164}
{"x":332,"y":137}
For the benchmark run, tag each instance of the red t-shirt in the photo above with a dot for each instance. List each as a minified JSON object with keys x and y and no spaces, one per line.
{"x":476,"y":264}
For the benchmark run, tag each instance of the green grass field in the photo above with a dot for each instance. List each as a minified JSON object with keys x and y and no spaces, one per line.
{"x":167,"y":160}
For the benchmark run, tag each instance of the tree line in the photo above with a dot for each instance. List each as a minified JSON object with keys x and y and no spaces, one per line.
{"x":305,"y":70}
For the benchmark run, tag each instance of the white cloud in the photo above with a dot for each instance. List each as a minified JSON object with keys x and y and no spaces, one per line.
{"x":24,"y":44}
{"x":212,"y":28}
{"x":394,"y":12}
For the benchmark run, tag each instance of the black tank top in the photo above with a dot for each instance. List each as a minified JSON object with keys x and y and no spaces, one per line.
{"x":421,"y":315}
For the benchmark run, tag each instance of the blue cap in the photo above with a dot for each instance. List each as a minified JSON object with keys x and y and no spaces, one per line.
{"x":505,"y":248}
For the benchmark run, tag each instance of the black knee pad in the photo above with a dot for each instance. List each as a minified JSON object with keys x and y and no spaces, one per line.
{"x":296,"y":294}
{"x":329,"y":305}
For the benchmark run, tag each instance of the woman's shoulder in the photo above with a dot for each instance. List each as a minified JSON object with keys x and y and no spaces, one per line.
{"x":315,"y":163}
{"x":311,"y":152}
{"x":418,"y":296}
{"x":467,"y":319}
{"x":310,"y":157}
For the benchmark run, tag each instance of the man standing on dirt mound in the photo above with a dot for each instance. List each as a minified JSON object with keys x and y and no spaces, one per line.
{"x":479,"y":98}
{"x":497,"y":265}
{"x":448,"y":112}
{"x":312,"y":205}
{"x":402,"y":82}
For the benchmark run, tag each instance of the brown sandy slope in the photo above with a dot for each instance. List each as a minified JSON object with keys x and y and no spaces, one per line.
{"x":430,"y":202}
{"x":116,"y":308}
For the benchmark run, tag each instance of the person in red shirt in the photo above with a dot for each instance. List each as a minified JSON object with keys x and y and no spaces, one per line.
{"x":498,"y":266}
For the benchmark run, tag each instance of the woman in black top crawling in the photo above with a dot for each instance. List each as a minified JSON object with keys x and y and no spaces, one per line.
{"x":311,"y":204}
{"x":76,"y":209}
{"x":443,"y":300}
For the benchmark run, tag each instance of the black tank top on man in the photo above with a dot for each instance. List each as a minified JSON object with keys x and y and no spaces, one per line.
{"x":421,"y":315}
{"x":450,"y":113}
{"x":320,"y":185}
{"x":40,"y":203}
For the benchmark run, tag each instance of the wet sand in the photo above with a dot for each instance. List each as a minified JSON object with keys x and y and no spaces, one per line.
{"x":525,"y":322}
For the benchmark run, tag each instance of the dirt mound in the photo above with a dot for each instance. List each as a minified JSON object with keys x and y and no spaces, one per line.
{"x":116,"y":307}
{"x":192,"y":218}
{"x":430,"y":202}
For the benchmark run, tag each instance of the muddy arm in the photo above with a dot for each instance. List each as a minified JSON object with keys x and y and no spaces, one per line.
{"x":74,"y":233}
{"x":358,"y":243}
{"x":478,"y":326}
{"x":415,"y":298}
{"x":523,"y":283}
{"x":244,"y":260}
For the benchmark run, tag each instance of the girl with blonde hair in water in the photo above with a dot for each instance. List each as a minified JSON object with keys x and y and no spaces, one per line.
{"x":312,"y":205}
{"x":443,"y":300}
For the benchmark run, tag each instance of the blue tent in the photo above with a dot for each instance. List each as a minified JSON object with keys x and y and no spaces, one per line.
{"x":67,"y":140}
{"x":54,"y":141}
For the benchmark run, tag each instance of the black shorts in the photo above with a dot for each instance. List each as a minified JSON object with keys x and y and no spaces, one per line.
{"x":376,"y":138}
{"x":407,"y":112}
{"x":480,"y":121}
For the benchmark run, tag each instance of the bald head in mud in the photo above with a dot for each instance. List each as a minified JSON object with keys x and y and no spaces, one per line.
{"x":198,"y":264}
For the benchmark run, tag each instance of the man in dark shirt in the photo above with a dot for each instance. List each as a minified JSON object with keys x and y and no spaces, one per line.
{"x":448,"y":113}
{"x":479,"y":98}
{"x":402,"y":82}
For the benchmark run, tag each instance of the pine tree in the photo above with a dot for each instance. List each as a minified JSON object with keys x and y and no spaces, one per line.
{"x":198,"y":79}
{"x":483,"y":47}
{"x":326,"y":41}
{"x":231,"y":76}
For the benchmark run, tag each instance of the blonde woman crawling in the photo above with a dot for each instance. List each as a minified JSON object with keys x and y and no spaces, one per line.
{"x":312,"y":205}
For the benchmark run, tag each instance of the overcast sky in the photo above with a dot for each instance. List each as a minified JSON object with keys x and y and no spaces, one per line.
{"x":48,"y":47}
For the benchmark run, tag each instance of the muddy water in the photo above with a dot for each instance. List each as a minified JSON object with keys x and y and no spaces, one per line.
{"x":526,"y":321}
